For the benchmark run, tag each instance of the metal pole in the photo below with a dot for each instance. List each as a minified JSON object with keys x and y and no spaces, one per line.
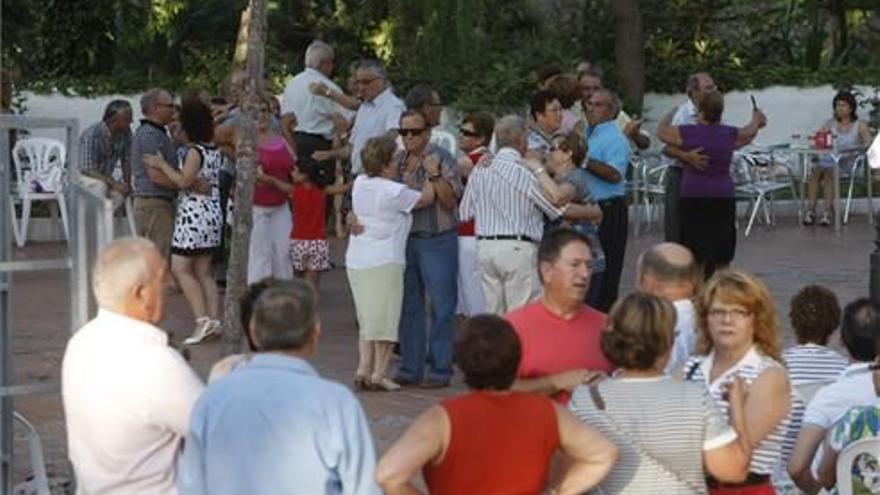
{"x":875,"y":261}
{"x":5,"y":317}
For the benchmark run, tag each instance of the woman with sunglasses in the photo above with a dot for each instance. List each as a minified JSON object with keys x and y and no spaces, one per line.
{"x":739,"y":339}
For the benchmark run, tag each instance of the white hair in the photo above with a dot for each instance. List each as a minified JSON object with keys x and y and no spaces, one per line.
{"x":509,"y":129}
{"x":121,"y":266}
{"x":317,"y":53}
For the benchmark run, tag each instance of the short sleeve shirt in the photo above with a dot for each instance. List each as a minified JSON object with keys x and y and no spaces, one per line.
{"x":551,"y":344}
{"x":859,"y":423}
{"x":383,"y":207}
{"x":150,"y":138}
{"x":100,"y":150}
{"x":608,"y":145}
{"x":433,"y":218}
{"x":374,"y":118}
{"x":683,"y":423}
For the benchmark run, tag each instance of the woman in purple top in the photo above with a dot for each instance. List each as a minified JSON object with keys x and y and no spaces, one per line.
{"x":708,"y":207}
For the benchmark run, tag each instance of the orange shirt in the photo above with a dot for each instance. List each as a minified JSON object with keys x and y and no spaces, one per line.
{"x":500,"y":443}
{"x":551,"y":344}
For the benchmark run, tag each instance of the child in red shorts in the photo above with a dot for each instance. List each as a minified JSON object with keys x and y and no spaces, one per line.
{"x":309,"y":249}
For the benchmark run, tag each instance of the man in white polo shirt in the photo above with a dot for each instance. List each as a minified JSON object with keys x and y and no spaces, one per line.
{"x":127,"y":394}
{"x":859,"y":331}
{"x":314,"y":113}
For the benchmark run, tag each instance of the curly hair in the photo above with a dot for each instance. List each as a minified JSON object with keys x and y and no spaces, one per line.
{"x":488,"y":352}
{"x":747,"y":290}
{"x":814,"y":314}
{"x":639,"y":331}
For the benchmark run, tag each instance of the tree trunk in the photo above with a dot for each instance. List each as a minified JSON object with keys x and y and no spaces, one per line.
{"x":837,"y":31}
{"x":245,"y":160}
{"x":242,"y":40}
{"x":629,"y":51}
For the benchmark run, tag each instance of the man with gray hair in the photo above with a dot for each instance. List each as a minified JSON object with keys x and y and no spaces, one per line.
{"x":314,"y":113}
{"x":668,"y":270}
{"x":607,"y":163}
{"x":378,"y":114}
{"x":686,"y":114}
{"x":154,"y":193}
{"x":507,"y":200}
{"x":127,"y":394}
{"x":106,"y":145}
{"x":312,"y":433}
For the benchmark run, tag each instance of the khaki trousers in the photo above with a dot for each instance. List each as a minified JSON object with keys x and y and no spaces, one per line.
{"x":154,"y":218}
{"x":509,"y":272}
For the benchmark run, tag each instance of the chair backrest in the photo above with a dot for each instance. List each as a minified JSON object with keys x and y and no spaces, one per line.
{"x":41,"y":156}
{"x":846,"y":458}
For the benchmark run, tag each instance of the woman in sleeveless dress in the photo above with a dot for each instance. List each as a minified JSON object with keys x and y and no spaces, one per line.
{"x":493,"y":440}
{"x":739,"y":339}
{"x":198,"y":220}
{"x":850,"y":134}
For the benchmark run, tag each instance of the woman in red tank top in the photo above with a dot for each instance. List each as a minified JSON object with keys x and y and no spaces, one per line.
{"x":492,"y":440}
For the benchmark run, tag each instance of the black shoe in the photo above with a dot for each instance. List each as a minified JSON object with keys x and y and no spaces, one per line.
{"x":404,"y":382}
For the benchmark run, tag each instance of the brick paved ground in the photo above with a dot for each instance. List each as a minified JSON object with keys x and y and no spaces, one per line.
{"x":786,"y":257}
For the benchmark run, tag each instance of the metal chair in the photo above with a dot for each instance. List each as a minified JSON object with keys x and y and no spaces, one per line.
{"x":647,"y":186}
{"x":40,"y":172}
{"x":859,"y":168}
{"x":758,"y":178}
{"x":846,"y":458}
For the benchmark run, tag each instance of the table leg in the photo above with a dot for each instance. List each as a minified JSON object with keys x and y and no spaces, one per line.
{"x":803,"y":162}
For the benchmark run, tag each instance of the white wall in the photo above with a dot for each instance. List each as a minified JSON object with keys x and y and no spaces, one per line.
{"x":789,"y":109}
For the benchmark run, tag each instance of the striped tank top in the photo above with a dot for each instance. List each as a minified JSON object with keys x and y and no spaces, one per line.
{"x":810,"y":363}
{"x":777,"y":445}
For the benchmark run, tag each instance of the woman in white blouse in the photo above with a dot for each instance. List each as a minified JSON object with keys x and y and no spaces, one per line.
{"x":375,"y":258}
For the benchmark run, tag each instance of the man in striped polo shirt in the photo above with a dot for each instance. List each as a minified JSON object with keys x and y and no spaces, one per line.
{"x":508,"y":201}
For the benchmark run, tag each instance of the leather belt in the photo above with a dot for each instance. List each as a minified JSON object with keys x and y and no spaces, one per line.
{"x":524,"y":238}
{"x":751,"y":480}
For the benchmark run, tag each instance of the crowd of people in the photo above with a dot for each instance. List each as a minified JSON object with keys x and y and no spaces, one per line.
{"x":520,"y":225}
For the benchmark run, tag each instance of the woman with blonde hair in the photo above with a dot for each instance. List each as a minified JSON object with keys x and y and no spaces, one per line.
{"x":738,"y":338}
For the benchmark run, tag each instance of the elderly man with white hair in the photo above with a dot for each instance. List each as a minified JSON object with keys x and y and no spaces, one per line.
{"x":127,"y":394}
{"x":314,"y":113}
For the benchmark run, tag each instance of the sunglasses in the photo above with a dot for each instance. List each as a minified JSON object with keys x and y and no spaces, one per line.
{"x":468,"y":133}
{"x":411,"y":132}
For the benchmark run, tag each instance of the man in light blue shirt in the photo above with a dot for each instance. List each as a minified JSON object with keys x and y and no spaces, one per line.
{"x":273,"y":425}
{"x":607,"y":163}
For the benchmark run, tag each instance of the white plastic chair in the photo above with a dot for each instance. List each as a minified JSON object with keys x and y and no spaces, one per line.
{"x":859,"y":171}
{"x":846,"y":458}
{"x":40,"y":170}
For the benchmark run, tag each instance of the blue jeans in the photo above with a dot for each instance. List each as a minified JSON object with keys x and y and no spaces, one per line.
{"x":432,"y":264}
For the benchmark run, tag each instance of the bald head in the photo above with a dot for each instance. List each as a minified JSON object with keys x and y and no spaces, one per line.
{"x":125,"y":271}
{"x":668,"y":270}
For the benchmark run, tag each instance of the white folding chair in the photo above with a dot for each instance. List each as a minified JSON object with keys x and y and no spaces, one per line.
{"x":859,"y":171}
{"x":846,"y":458}
{"x":40,"y":170}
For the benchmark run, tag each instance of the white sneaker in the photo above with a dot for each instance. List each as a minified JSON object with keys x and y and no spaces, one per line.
{"x":205,"y":329}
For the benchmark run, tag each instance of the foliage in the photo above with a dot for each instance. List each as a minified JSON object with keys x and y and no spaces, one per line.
{"x":479,"y":53}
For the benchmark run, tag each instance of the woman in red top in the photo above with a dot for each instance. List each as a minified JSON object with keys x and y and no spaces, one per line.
{"x":271,"y":210}
{"x":492,"y":440}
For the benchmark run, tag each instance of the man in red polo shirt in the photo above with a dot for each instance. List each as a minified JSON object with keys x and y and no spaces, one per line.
{"x":560,"y":334}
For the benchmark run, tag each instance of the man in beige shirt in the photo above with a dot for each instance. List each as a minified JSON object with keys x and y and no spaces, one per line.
{"x":127,"y":394}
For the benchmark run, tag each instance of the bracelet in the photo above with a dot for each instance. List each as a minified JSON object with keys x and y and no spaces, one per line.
{"x":434,"y":177}
{"x":564,"y":208}
{"x":539,"y":171}
{"x":328,"y":92}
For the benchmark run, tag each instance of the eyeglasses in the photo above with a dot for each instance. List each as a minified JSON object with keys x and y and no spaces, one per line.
{"x":411,"y":132}
{"x":364,"y":82}
{"x":734,"y":314}
{"x":468,"y":133}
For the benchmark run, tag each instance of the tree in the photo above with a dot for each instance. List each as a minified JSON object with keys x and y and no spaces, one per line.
{"x":629,"y":51}
{"x":245,"y":161}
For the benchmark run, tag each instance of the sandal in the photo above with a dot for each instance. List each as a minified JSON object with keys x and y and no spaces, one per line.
{"x":384,"y":385}
{"x":362,"y":383}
